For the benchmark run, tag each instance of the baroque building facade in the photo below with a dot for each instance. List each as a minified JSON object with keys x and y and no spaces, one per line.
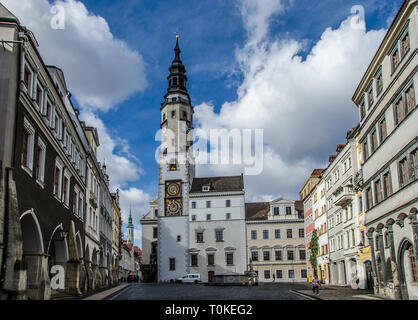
{"x":276,"y":240}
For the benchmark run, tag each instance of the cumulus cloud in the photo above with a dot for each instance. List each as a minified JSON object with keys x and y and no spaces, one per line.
{"x":100,"y":69}
{"x":303,"y":105}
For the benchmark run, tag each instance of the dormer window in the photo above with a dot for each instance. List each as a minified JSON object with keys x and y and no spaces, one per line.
{"x":205,"y":188}
{"x":173,"y":114}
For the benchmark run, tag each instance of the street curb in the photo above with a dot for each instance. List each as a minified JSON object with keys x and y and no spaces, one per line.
{"x":305,"y":295}
{"x":113,"y":295}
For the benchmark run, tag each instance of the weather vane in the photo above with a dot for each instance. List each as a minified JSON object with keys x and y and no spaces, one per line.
{"x":177,"y":33}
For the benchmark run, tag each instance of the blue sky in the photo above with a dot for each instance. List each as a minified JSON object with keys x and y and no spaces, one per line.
{"x":219,"y":49}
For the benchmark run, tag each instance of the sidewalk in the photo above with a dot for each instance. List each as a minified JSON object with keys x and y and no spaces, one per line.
{"x":329,"y":292}
{"x":103,"y":294}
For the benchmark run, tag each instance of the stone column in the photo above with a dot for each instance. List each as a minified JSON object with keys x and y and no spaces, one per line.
{"x":376,"y":276}
{"x":382,"y":256}
{"x":72,"y":276}
{"x":394,"y":265}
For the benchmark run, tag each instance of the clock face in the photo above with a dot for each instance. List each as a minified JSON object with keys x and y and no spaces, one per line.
{"x":173,"y":189}
{"x":173,"y":207}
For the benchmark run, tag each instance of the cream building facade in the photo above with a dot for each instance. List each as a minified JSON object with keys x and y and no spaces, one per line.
{"x":276,"y":240}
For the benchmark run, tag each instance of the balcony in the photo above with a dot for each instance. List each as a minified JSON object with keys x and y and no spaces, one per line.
{"x":344,"y":195}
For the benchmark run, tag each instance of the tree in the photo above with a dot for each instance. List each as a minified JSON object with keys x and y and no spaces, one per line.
{"x":314,"y":246}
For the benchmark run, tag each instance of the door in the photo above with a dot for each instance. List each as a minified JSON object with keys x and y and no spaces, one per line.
{"x":210,"y":276}
{"x":368,"y":271}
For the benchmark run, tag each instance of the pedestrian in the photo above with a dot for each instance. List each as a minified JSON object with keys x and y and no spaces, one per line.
{"x":274,"y":278}
{"x":315,"y":285}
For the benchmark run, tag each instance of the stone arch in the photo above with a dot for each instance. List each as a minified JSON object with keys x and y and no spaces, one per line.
{"x":79,"y":245}
{"x":37,"y":279}
{"x":31,"y":233}
{"x":404,"y":265}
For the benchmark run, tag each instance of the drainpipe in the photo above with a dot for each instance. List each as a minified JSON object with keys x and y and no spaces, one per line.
{"x":8,"y":169}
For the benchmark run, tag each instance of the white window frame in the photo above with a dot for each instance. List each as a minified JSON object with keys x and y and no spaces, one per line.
{"x":61,"y":168}
{"x":41,"y":158}
{"x":30,"y":147}
{"x":31,"y":80}
{"x":66,"y":197}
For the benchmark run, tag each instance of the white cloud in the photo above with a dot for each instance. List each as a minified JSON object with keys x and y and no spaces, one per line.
{"x":100,"y":69}
{"x":304,"y":106}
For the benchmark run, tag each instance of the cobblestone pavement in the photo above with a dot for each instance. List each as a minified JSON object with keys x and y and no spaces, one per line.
{"x":179,"y":291}
{"x":327,"y":292}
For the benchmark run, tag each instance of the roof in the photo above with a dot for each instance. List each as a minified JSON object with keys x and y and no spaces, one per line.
{"x":257,"y":210}
{"x":219,"y":184}
{"x":317,"y":172}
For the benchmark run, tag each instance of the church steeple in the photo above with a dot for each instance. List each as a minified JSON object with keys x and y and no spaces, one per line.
{"x":130,"y":228}
{"x":177,"y":79}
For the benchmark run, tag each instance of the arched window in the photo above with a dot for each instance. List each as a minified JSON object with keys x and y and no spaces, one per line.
{"x":174,"y":81}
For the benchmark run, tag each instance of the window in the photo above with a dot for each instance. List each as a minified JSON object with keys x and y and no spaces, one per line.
{"x":303,"y":273}
{"x":193,"y":217}
{"x":379,"y":82}
{"x":276,"y":211}
{"x":193,"y":205}
{"x":370,"y":96}
{"x":266,"y":274}
{"x":211,"y":259}
{"x":219,"y":235}
{"x":155,"y":232}
{"x":369,"y":201}
{"x":253,"y":234}
{"x":414,"y":162}
{"x":290,"y":255}
{"x":27,"y":78}
{"x":288,"y":210}
{"x":173,"y":166}
{"x":66,"y":190}
{"x":229,"y":259}
{"x":403,"y":172}
{"x":373,"y":141}
{"x":265,"y":234}
{"x":410,"y":99}
{"x":172,"y":264}
{"x":289,"y":233}
{"x":57,"y":180}
{"x":27,"y":145}
{"x":291,"y":274}
{"x":378,"y":191}
{"x":228,"y":203}
{"x":301,"y":233}
{"x":382,"y":130}
{"x":75,"y":201}
{"x":405,"y":44}
{"x":194,"y":260}
{"x":266,"y":255}
{"x":80,"y":205}
{"x":365,"y":150}
{"x":399,"y":114}
{"x":254,"y":255}
{"x":173,"y":114}
{"x":362,"y":110}
{"x":208,"y":217}
{"x":39,"y":96}
{"x":40,"y":161}
{"x":277,"y":234}
{"x":387,"y":184}
{"x":199,"y":237}
{"x":279,"y":274}
{"x":278,"y":255}
{"x":302,"y":254}
{"x":395,"y":59}
{"x":205,"y":188}
{"x":178,"y":238}
{"x":228,"y":216}
{"x":208,"y":204}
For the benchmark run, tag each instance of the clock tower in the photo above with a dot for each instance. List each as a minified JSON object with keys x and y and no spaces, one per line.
{"x":175,"y":174}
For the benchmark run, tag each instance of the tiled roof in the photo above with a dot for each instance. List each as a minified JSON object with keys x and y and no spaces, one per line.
{"x":317,"y":172}
{"x":218,"y":184}
{"x":257,"y":210}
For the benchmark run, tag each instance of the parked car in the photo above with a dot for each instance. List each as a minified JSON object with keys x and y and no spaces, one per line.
{"x":188,"y":278}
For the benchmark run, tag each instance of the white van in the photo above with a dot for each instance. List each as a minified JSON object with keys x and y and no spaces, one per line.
{"x":189,"y":278}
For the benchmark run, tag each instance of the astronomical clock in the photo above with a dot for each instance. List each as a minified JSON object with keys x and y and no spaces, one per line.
{"x":173,"y":199}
